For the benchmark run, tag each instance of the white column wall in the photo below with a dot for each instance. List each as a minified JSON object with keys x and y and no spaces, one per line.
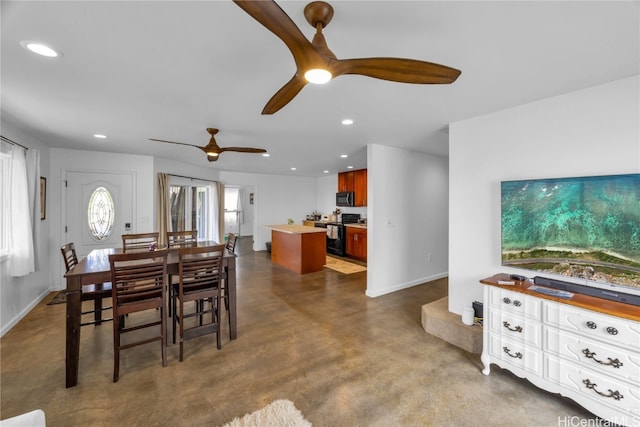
{"x":407,"y":213}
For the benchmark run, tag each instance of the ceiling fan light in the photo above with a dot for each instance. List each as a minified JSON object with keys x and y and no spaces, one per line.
{"x":212,"y":154}
{"x":318,"y":76}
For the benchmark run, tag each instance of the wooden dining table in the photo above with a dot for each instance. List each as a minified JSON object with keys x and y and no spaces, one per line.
{"x":95,"y":269}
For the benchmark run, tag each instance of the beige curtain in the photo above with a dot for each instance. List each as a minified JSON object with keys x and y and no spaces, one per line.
{"x":162,"y":207}
{"x":220,"y":188}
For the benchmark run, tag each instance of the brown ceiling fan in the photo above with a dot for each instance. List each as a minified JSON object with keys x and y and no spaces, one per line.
{"x":212,"y":149}
{"x":316,"y":56}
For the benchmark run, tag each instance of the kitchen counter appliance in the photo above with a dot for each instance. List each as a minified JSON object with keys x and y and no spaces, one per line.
{"x":336,"y":233}
{"x":345,"y":198}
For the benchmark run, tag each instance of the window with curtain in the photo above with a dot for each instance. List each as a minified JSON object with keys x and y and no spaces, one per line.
{"x":20,"y":206}
{"x":233,"y":213}
{"x":193,"y":206}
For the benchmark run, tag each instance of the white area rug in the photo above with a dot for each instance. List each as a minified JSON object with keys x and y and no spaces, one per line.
{"x":279,"y":413}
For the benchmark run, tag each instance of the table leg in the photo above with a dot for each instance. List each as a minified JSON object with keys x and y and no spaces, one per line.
{"x":231,"y":289}
{"x":74,"y":309}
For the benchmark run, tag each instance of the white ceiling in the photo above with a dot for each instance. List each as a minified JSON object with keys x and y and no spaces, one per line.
{"x":170,"y":69}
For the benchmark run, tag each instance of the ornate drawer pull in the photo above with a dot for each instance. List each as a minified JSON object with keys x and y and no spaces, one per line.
{"x":592,"y":386}
{"x":508,"y":326}
{"x":518,"y":355}
{"x":508,"y":301}
{"x":591,"y":325}
{"x":612,"y":330}
{"x":612,"y":362}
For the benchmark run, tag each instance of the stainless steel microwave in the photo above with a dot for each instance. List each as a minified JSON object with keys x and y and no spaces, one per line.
{"x":344,"y":198}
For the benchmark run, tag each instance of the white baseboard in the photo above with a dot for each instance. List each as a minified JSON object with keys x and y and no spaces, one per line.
{"x":405,"y":285}
{"x":7,"y":327}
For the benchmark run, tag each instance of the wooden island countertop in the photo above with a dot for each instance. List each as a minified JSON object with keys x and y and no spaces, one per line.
{"x":296,"y":229}
{"x":299,"y":248}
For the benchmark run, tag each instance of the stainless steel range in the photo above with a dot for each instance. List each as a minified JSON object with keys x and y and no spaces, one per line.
{"x":336,"y":233}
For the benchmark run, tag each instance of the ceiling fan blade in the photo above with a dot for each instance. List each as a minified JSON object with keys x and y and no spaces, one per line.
{"x":285,"y":94}
{"x":396,"y":70}
{"x":272,"y":17}
{"x":243,"y":149}
{"x":174,"y":142}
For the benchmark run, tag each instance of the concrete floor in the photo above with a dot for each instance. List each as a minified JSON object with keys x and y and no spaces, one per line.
{"x":344,"y":359}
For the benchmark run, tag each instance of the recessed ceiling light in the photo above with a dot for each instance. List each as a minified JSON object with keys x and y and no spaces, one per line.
{"x":40,"y":49}
{"x":325,"y":171}
{"x":99,"y":136}
{"x":347,"y":122}
{"x":349,"y":167}
{"x":266,"y":154}
{"x":344,"y":156}
{"x":293,"y":169}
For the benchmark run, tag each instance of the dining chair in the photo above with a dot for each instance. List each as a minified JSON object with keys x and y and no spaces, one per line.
{"x":95,"y":292}
{"x":140,"y":241}
{"x":200,"y":275}
{"x":181,"y":239}
{"x":230,"y":245}
{"x":138,"y":285}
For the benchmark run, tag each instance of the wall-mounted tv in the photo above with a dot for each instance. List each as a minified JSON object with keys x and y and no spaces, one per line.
{"x":585,"y":228}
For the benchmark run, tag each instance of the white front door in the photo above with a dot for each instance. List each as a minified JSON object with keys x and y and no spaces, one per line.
{"x":80,"y":187}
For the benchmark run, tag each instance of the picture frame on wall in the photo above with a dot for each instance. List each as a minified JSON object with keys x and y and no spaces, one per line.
{"x":43,"y":198}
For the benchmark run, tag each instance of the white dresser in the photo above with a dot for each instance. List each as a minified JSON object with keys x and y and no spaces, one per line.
{"x":584,"y":348}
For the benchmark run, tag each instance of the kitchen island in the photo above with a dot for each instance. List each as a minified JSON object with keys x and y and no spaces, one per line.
{"x":298,"y":248}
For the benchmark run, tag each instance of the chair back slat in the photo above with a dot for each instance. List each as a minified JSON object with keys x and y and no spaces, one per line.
{"x":138,"y":275}
{"x":178,"y":239}
{"x":200,"y":267}
{"x":139,"y":241}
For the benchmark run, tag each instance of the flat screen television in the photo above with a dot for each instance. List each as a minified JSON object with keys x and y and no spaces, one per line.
{"x":585,"y":229}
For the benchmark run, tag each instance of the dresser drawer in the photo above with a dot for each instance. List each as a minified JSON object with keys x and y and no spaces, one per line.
{"x":592,"y":354}
{"x":515,"y":353}
{"x":602,"y":390}
{"x":515,"y":327}
{"x":515,"y":302}
{"x":596,"y":326}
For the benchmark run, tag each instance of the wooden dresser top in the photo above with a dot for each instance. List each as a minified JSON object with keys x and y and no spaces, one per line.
{"x":618,"y":309}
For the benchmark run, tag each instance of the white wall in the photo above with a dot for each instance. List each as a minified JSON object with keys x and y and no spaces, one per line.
{"x":407,"y":240}
{"x":18,"y":295}
{"x":276,"y":199}
{"x":63,"y":161}
{"x":590,"y":132}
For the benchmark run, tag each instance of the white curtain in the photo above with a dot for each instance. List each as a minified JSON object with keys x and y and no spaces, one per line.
{"x":33,"y":181}
{"x":241,"y":206}
{"x":22,"y":260}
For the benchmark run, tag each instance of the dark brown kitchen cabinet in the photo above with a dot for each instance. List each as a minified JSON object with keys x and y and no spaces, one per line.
{"x":355,"y":181}
{"x":356,"y":245}
{"x":345,"y":181}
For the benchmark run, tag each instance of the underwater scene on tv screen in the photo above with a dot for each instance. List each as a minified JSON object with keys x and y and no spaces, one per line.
{"x":587,"y":227}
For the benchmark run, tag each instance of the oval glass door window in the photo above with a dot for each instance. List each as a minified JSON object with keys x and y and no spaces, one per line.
{"x":100,"y":213}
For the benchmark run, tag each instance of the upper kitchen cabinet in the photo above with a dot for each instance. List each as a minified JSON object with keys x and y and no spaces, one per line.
{"x":345,"y":181}
{"x":355,"y":181}
{"x":360,"y":187}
